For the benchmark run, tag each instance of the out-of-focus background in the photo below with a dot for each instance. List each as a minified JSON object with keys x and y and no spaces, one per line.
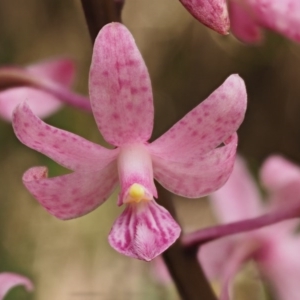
{"x":71,"y":260}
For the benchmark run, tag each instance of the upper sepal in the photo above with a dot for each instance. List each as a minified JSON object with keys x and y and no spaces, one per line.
{"x":120,"y":87}
{"x":144,"y":231}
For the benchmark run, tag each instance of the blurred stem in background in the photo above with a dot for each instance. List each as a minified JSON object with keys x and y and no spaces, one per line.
{"x":183,"y":267}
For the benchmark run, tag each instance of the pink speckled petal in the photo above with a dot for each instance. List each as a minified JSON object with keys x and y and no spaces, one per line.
{"x":120,"y":87}
{"x":72,"y":195}
{"x":65,"y":148}
{"x":211,"y":13}
{"x":11,"y":280}
{"x":277,"y":172}
{"x":239,"y":198}
{"x":278,"y":15}
{"x":59,"y":70}
{"x":135,"y":166}
{"x":42,"y":104}
{"x":143,"y":231}
{"x":207,"y":125}
{"x":196,"y":178}
{"x":243,"y":24}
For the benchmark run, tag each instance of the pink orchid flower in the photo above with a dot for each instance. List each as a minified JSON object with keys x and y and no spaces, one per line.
{"x":248,"y":17}
{"x":186,"y":160}
{"x":11,"y":280}
{"x":43,"y":104}
{"x":275,"y":248}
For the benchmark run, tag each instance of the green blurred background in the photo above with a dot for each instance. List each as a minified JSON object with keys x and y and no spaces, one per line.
{"x":186,"y":61}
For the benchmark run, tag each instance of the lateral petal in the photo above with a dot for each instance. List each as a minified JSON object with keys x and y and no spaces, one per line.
{"x":212,"y":14}
{"x":198,"y":177}
{"x":72,"y":195}
{"x":11,"y":280}
{"x":65,"y":148}
{"x":207,"y":125}
{"x":120,"y":87}
{"x":143,"y":231}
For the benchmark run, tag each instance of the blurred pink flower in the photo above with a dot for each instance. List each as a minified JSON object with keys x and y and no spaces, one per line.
{"x":43,"y":104}
{"x":11,"y":280}
{"x":159,"y":271}
{"x":248,"y":17}
{"x":186,"y":160}
{"x":275,"y":248}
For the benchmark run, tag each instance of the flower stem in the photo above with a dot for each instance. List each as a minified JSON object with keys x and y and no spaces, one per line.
{"x":195,"y":239}
{"x":101,"y":12}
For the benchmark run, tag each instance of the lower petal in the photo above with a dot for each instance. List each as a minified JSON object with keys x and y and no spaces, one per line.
{"x":72,"y":195}
{"x":11,"y":280}
{"x":143,"y":231}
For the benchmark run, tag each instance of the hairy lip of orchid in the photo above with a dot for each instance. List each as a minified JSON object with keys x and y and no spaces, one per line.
{"x":186,"y":160}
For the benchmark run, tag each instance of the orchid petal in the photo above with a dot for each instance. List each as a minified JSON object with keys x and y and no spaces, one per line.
{"x":212,"y":14}
{"x":237,"y":259}
{"x":207,"y":125}
{"x":278,"y":15}
{"x":65,"y":148}
{"x":239,"y":198}
{"x":243,"y":25}
{"x":120,"y":88}
{"x":11,"y":77}
{"x":277,"y":172}
{"x":281,"y":265}
{"x":60,"y":70}
{"x":72,"y":195}
{"x":236,"y":254}
{"x":196,"y":178}
{"x":43,"y":104}
{"x":11,"y":280}
{"x":213,"y":256}
{"x":143,"y":231}
{"x":135,"y":167}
